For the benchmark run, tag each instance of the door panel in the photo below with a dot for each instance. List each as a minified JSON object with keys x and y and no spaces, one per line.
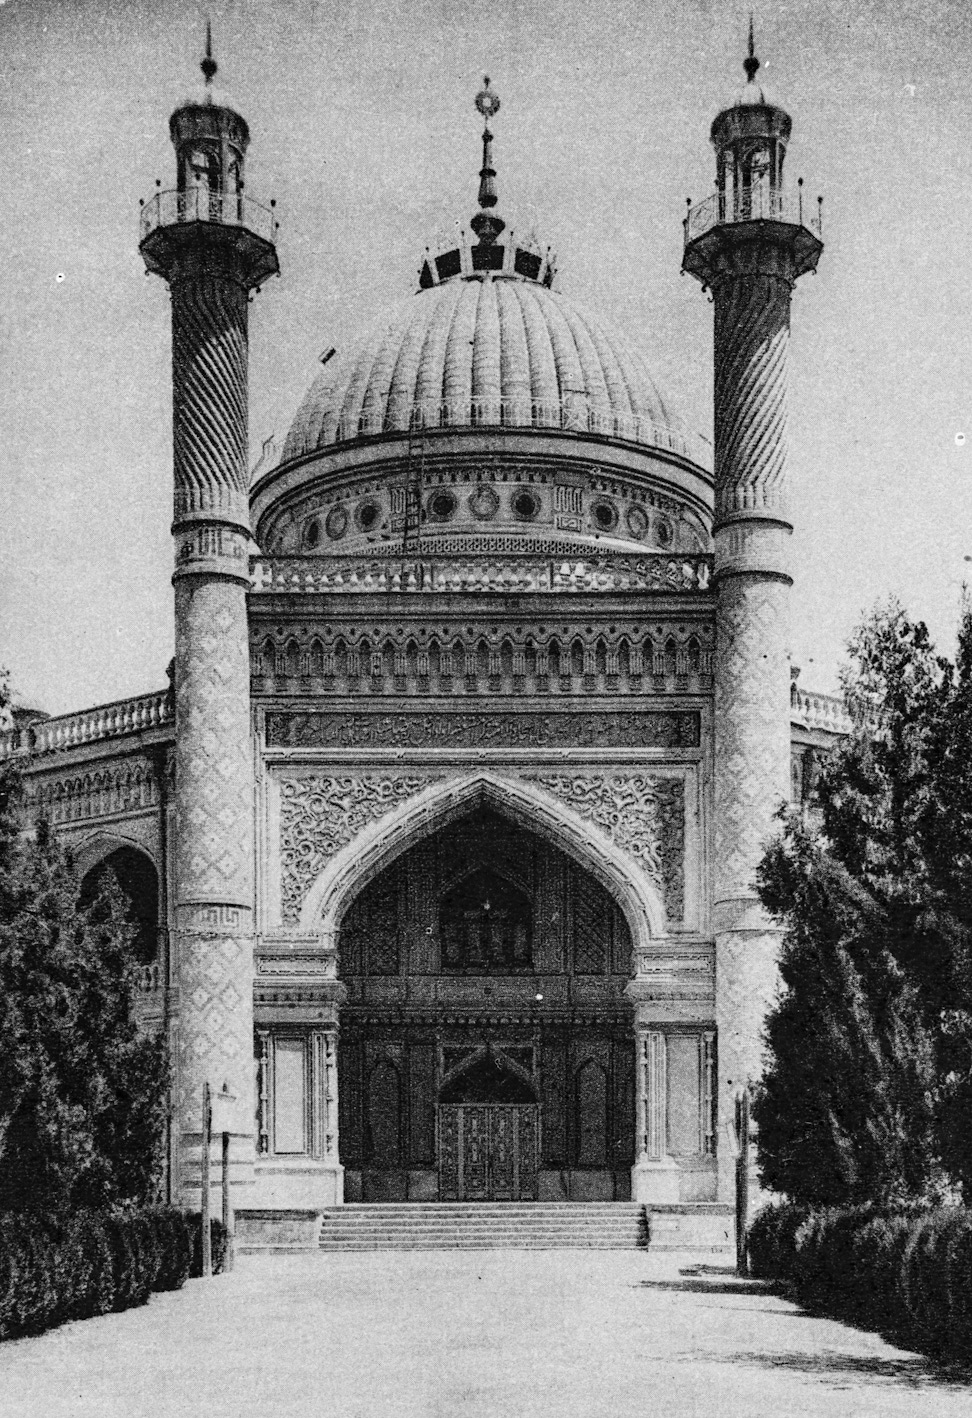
{"x":488,"y":1151}
{"x":502,"y":1153}
{"x":474,"y":1151}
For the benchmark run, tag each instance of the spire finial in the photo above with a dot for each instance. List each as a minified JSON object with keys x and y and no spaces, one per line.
{"x":208,"y":64}
{"x":486,"y":226}
{"x":751,"y":63}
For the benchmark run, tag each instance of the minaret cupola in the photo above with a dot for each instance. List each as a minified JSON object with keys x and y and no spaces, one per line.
{"x":750,"y":139}
{"x":210,"y":140}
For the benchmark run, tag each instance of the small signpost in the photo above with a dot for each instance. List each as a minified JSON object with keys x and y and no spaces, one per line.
{"x":217,"y":1116}
{"x":742,"y":1179}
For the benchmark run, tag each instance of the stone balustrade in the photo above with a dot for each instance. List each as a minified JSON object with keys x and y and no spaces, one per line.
{"x":105,"y":721}
{"x":621,"y":572}
{"x":819,"y":711}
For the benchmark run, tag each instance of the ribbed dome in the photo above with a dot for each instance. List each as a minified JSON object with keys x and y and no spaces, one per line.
{"x":487,"y":351}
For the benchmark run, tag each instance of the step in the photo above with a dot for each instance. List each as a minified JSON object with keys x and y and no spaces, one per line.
{"x":370,"y":1226}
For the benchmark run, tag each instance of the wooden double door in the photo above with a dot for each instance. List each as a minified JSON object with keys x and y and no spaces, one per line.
{"x":488,"y":1151}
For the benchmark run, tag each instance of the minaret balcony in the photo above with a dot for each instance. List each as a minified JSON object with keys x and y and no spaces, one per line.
{"x":170,"y":219}
{"x":754,"y":212}
{"x":755,"y":204}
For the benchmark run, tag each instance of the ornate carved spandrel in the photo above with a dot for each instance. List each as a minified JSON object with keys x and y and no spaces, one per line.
{"x":660,"y":729}
{"x":320,"y":813}
{"x":642,"y":813}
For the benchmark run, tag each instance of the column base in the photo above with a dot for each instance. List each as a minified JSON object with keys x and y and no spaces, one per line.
{"x":298,"y":1185}
{"x":656,"y":1179}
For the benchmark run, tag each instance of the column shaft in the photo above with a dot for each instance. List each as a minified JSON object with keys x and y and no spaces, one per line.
{"x":214,"y":829}
{"x":752,"y":709}
{"x":655,"y":1176}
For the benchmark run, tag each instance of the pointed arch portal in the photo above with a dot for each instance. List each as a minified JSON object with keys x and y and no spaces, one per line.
{"x":485,"y":935}
{"x":524,"y":803}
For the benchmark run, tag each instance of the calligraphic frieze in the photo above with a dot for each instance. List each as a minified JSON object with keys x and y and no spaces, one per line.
{"x":610,"y":729}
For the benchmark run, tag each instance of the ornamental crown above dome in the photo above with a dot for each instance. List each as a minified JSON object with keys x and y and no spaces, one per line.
{"x":516,"y":257}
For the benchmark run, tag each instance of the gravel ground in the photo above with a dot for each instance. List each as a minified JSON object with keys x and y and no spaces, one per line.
{"x":470,"y":1334}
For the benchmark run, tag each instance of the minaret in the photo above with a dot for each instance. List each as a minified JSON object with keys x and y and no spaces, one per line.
{"x":748,"y":244}
{"x":213,"y":245}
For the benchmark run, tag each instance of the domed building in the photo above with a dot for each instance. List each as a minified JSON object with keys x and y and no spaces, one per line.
{"x":442,"y":841}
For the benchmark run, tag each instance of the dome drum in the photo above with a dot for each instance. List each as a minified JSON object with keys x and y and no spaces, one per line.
{"x":473,"y":498}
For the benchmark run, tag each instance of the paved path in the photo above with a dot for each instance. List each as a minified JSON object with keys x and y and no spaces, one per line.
{"x":472,"y":1334}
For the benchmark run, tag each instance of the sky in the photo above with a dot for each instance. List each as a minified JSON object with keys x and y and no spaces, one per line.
{"x":363,"y":130}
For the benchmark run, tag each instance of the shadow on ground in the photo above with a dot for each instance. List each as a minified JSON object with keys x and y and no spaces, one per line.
{"x":710,"y":1280}
{"x":706,"y":1287}
{"x":913,"y":1371}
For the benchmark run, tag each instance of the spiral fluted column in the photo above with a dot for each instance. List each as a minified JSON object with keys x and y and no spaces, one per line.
{"x":209,"y":393}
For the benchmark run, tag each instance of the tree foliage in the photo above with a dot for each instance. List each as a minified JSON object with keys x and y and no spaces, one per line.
{"x":870,"y":1048}
{"x":82,"y":1091}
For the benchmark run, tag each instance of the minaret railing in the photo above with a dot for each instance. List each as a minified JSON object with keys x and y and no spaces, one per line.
{"x":202,"y":204}
{"x":755,"y":204}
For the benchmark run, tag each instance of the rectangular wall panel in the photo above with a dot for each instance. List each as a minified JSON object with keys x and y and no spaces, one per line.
{"x":553,"y":1098}
{"x":683,"y":1094}
{"x":421,"y":1104}
{"x":289,"y":1096}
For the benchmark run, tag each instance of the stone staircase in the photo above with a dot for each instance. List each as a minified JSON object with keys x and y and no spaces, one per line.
{"x":525,"y":1226}
{"x":594,"y":1225}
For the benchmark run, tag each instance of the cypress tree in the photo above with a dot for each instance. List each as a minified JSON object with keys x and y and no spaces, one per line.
{"x":82,"y":1091}
{"x":859,"y":1087}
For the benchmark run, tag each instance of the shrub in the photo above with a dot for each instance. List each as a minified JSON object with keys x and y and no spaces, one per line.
{"x":770,"y":1240}
{"x":218,"y":1241}
{"x":874,"y":1259}
{"x":52,"y":1270}
{"x":906,"y":1273}
{"x":933,"y":1285}
{"x":176,"y":1260}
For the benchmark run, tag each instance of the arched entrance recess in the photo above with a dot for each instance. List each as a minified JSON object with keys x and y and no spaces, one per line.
{"x":483,"y":919}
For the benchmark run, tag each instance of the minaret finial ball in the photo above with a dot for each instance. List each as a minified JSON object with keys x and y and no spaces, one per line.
{"x":751,"y":63}
{"x":487,"y":100}
{"x":208,"y":64}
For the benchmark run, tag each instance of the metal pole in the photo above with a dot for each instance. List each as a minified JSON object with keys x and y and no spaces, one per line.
{"x":742,"y":1181}
{"x":207,"y":1241}
{"x":227,"y":1211}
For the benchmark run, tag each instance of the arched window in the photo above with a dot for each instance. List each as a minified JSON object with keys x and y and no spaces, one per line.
{"x":485,"y":926}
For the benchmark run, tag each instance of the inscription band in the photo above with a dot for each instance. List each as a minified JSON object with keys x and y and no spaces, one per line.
{"x":658,"y":729}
